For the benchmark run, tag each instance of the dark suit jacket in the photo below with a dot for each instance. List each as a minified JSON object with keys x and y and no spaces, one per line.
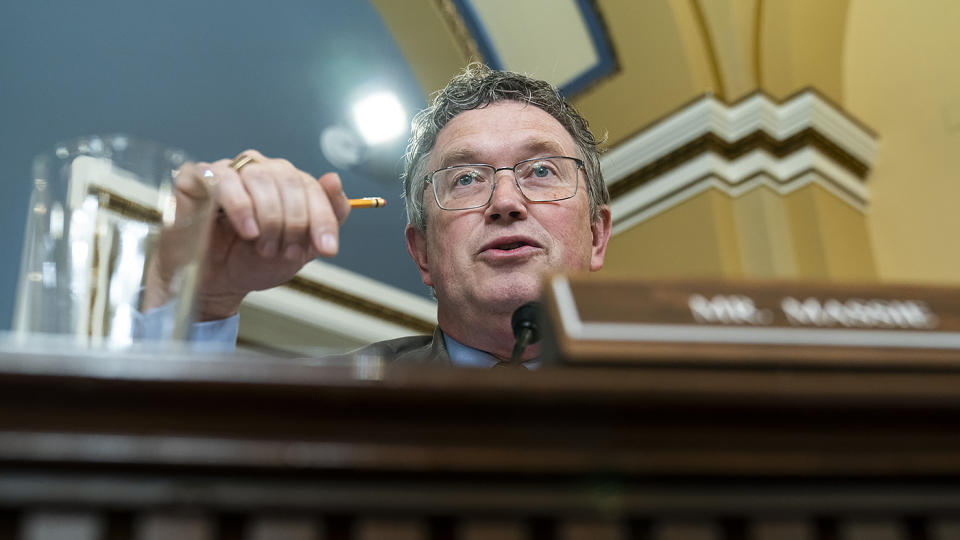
{"x":410,"y":350}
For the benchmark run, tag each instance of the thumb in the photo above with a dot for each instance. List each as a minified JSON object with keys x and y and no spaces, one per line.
{"x":195,"y":189}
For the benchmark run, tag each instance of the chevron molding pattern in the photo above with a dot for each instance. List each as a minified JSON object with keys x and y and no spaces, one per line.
{"x":736,"y":148}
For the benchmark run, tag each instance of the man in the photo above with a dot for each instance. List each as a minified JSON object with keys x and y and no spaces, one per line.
{"x":502,"y":184}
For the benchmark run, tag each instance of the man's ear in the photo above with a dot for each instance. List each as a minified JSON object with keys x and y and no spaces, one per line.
{"x":417,"y":247}
{"x":601,"y":235}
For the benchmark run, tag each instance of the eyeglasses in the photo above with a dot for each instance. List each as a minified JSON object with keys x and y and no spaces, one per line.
{"x":542,"y":179}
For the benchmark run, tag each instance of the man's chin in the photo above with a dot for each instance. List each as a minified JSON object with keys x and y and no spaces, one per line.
{"x":513,"y":295}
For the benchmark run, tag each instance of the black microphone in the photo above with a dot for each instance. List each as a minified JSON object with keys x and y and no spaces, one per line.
{"x":526,"y":328}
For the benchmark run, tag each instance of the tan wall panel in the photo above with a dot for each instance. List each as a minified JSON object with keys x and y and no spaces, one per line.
{"x":696,"y":238}
{"x":425,"y":39}
{"x":802,"y":44}
{"x":732,"y":30}
{"x":766,"y":242}
{"x":847,"y":245}
{"x":830,"y":238}
{"x":655,"y":77}
{"x":809,"y":234}
{"x":902,"y":79}
{"x":726,"y":233}
{"x":700,"y":62}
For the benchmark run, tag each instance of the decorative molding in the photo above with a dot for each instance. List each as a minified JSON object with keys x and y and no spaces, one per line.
{"x":734,"y":148}
{"x":707,"y":37}
{"x":462,"y":36}
{"x":472,"y":32}
{"x":758,"y":43}
{"x":123,"y":206}
{"x":346,"y":299}
{"x":733,"y":188}
{"x":758,"y":140}
{"x":609,"y":64}
{"x":325,"y":308}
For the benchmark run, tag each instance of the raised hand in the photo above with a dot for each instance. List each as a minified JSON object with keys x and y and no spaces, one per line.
{"x":273,"y":219}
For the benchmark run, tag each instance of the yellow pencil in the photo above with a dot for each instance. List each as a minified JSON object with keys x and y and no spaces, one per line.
{"x":368,"y":202}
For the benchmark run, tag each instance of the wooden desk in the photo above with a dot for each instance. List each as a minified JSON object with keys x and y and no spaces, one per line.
{"x":220,"y":448}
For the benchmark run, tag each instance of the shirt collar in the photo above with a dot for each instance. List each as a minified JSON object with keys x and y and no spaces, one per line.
{"x":465,"y":356}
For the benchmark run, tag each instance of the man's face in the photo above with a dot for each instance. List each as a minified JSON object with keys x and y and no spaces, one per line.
{"x":491,"y":259}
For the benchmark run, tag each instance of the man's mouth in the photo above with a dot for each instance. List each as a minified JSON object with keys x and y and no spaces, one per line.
{"x":510,"y":246}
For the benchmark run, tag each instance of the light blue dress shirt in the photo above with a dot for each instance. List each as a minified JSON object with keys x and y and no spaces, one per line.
{"x":465,"y":356}
{"x":207,"y":336}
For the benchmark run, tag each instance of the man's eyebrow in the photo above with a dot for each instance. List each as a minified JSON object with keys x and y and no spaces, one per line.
{"x":459,"y":156}
{"x":543,"y":147}
{"x":531,"y":149}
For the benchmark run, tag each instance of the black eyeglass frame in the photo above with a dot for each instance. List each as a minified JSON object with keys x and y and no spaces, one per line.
{"x":493,"y":187}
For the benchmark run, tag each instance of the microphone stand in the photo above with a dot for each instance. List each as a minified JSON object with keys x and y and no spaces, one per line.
{"x":526,"y":329}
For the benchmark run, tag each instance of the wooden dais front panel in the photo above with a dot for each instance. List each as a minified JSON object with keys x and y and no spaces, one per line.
{"x":111,"y":447}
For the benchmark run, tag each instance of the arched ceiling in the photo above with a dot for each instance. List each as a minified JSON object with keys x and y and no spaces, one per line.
{"x":666,"y":52}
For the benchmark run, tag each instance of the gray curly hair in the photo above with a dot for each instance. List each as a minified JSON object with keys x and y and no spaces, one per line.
{"x":476,"y":87}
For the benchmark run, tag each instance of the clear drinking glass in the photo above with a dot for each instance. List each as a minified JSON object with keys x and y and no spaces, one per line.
{"x":101,"y":210}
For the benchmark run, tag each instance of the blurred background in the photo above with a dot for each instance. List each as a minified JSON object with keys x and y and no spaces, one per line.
{"x":808,"y":140}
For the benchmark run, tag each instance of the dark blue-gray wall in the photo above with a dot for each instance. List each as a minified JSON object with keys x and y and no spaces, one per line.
{"x":210,"y":77}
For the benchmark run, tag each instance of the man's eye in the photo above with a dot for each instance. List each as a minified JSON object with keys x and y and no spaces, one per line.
{"x":542,"y":170}
{"x":465,"y":179}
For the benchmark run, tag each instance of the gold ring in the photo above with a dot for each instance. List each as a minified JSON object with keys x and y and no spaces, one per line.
{"x":241,"y":160}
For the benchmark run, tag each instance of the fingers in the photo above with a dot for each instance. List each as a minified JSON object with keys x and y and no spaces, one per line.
{"x":196,"y":191}
{"x":328,"y":210}
{"x":235,"y":200}
{"x":293,"y":185}
{"x":191,"y":180}
{"x":333,"y":188}
{"x":285,"y":211}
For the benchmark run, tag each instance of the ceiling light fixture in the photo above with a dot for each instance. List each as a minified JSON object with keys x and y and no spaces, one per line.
{"x":379,"y":117}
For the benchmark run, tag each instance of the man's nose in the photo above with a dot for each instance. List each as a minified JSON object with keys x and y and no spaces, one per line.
{"x":507,"y":200}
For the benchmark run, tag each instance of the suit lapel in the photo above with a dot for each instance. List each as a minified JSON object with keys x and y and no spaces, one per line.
{"x":434,"y":352}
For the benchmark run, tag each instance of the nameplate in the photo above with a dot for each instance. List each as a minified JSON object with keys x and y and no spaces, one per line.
{"x":618,"y":320}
